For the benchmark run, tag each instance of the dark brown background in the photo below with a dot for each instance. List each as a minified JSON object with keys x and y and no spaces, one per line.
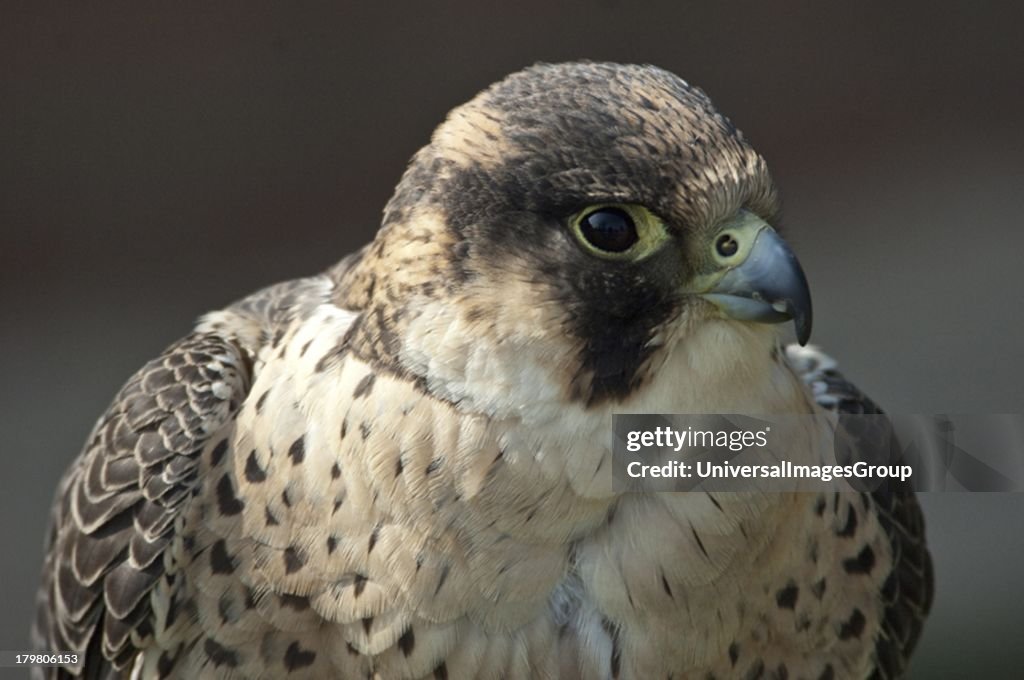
{"x":160,"y":159}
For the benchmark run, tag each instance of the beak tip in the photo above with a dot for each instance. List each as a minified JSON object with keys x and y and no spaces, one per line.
{"x":802,"y":325}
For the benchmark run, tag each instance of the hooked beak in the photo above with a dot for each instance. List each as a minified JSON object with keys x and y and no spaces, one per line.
{"x":759,"y":277}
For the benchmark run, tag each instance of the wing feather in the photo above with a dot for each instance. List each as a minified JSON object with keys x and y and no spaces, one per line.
{"x":116,"y":506}
{"x":908,"y":590}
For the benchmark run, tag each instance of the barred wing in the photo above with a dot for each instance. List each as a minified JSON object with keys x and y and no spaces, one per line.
{"x":115,"y":509}
{"x":908,"y":590}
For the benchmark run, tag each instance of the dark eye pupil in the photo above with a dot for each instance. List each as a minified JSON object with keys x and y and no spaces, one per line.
{"x":609,"y":229}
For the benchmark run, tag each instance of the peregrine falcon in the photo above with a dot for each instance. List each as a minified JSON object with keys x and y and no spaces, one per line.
{"x":399,"y":468}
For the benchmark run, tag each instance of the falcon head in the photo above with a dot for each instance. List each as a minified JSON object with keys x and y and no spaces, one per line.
{"x":587,"y":218}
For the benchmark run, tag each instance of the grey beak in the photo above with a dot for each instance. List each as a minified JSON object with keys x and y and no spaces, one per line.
{"x":769,"y":286}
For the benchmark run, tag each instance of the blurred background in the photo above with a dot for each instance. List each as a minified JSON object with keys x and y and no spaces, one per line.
{"x":158,"y":160}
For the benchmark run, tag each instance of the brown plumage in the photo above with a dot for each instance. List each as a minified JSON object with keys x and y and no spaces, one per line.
{"x":399,"y":468}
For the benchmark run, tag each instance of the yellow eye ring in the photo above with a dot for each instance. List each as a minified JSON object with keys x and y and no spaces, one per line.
{"x":618,"y":231}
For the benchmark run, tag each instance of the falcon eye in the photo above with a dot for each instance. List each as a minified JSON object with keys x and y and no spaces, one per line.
{"x":618,"y":231}
{"x":609,"y":229}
